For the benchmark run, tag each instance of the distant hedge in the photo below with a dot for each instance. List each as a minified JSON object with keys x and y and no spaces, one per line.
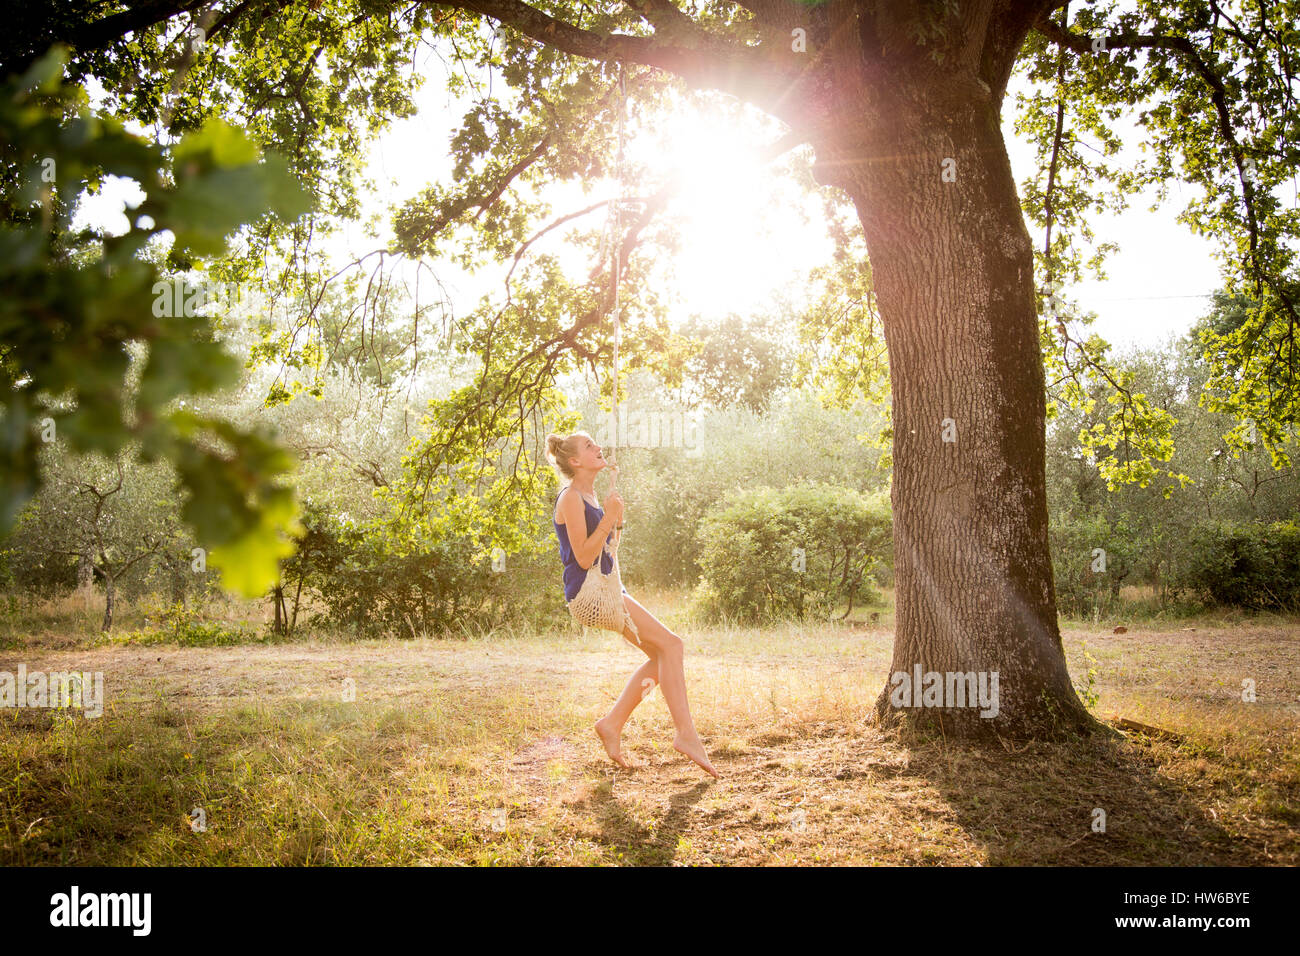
{"x":1091,"y":559}
{"x":805,"y":549}
{"x":1248,"y":566}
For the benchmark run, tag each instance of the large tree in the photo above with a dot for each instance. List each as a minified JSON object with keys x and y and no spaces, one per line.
{"x":901,"y":103}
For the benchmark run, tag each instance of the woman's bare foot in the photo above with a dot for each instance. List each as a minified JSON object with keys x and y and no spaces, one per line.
{"x":695,"y":750}
{"x":611,"y":738}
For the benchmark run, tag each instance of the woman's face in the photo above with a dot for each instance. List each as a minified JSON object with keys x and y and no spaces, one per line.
{"x":590,"y":456}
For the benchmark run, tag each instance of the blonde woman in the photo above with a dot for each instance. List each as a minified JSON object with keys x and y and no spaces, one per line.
{"x":582,"y":527}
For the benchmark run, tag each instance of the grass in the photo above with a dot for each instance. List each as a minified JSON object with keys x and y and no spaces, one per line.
{"x":480,"y":752}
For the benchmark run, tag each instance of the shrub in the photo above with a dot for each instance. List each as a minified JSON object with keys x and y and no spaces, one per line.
{"x":751,"y":551}
{"x":1247,"y":566}
{"x":1083,"y":588}
{"x":189,"y":628}
{"x":376,"y":579}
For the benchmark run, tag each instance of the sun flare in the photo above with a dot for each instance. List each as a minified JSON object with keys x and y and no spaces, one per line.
{"x":743,"y":225}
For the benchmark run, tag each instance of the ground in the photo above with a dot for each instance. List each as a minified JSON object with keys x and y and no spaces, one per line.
{"x":481,"y":752}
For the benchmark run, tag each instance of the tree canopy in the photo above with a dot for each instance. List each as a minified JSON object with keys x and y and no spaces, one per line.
{"x":314,"y":80}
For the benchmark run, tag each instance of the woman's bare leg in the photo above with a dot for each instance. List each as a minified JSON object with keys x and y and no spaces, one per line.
{"x":610,"y":727}
{"x":672,"y":680}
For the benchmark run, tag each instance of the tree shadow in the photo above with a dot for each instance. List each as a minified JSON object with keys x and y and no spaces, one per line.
{"x":1039,"y":803}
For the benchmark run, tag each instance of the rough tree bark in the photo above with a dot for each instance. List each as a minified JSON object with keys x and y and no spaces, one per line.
{"x":923,"y":158}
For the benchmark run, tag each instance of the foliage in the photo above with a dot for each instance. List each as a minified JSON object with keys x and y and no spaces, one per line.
{"x":73,"y":303}
{"x":740,"y":362}
{"x":311,"y":80}
{"x":670,"y":488}
{"x":1205,"y":81}
{"x":1087,"y":688}
{"x":188,"y":627}
{"x":1249,"y":566}
{"x":1246,"y":339}
{"x":112,"y":513}
{"x":384,"y":578}
{"x":841,"y":337}
{"x":801,"y":550}
{"x":1155,"y":529}
{"x":1091,"y":559}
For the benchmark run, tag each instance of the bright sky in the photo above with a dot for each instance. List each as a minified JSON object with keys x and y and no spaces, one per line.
{"x":1158,"y":282}
{"x":748,"y":234}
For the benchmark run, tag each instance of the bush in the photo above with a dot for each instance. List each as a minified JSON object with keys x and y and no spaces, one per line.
{"x":190,"y":628}
{"x":665,"y":505}
{"x":1247,"y":566}
{"x":1086,"y":586}
{"x":750,"y":551}
{"x":670,"y":490}
{"x":375,"y":579}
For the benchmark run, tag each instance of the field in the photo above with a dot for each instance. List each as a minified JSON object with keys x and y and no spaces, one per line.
{"x":481,"y":752}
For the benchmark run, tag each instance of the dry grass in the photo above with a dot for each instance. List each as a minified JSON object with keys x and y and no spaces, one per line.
{"x":481,"y":752}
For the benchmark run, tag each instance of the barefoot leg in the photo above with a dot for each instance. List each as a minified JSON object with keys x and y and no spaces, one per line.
{"x":672,"y":680}
{"x":610,"y":727}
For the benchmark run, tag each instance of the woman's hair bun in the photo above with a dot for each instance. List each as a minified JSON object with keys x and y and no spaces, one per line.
{"x":559,"y":449}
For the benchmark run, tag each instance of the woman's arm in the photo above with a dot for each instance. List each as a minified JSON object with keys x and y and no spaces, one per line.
{"x":586,"y":548}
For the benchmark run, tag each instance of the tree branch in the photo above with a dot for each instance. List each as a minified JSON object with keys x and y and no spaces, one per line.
{"x":1218,"y":95}
{"x":696,"y":56}
{"x":666,"y":18}
{"x":775,"y":14}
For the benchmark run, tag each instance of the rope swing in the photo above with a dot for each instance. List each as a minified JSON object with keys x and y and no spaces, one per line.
{"x":599,"y":603}
{"x":616,"y":234}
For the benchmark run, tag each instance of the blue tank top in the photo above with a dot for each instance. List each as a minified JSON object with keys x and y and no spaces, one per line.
{"x":574,"y":573}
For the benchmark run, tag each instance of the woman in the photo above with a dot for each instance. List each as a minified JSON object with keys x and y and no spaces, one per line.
{"x":582,"y":527}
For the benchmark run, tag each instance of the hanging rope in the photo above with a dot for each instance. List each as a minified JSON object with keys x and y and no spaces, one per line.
{"x":617,"y":243}
{"x":599,"y":602}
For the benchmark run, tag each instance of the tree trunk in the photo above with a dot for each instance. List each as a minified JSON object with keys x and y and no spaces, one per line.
{"x":953,"y":277}
{"x":85,"y":577}
{"x":85,"y":571}
{"x":297,"y":595}
{"x":108,"y":603}
{"x":177,"y":570}
{"x":278,"y":597}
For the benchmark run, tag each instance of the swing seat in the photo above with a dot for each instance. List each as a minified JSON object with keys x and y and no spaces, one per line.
{"x":599,"y":602}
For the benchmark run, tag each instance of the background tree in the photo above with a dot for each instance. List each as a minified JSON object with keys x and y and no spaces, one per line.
{"x":740,"y":362}
{"x":113,"y":513}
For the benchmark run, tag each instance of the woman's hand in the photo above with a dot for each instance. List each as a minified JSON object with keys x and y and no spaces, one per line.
{"x":614,"y":507}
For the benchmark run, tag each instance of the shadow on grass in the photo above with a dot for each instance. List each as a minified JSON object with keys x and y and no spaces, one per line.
{"x":1038,"y":806}
{"x":637,"y":844}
